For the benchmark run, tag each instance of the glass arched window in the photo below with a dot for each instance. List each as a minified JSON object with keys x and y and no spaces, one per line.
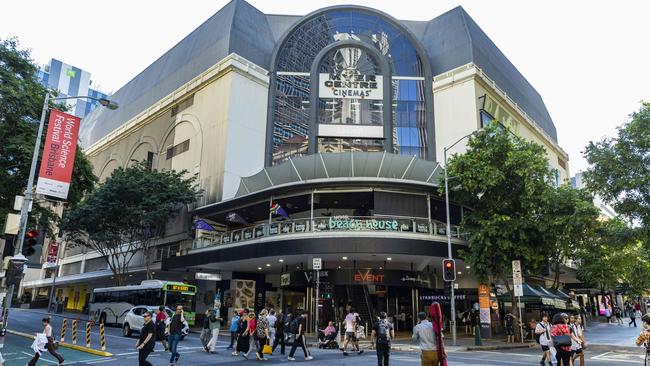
{"x":292,"y":95}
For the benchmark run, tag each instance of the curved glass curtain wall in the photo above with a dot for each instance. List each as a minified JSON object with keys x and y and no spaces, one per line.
{"x":291,"y":114}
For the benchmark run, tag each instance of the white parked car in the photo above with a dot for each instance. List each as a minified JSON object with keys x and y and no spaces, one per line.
{"x":134,"y":320}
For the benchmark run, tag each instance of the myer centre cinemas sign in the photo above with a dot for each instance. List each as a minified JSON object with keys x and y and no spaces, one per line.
{"x":351,"y":86}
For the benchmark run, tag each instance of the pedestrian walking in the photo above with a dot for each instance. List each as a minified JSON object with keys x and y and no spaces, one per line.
{"x":205,"y":331}
{"x":252,"y":326}
{"x":608,"y":315}
{"x":243,"y":338}
{"x":509,"y":321}
{"x":381,"y":335}
{"x":578,"y":345}
{"x":147,"y":340}
{"x":543,"y":334}
{"x":435,"y":312}
{"x":644,"y":338}
{"x":423,"y":334}
{"x":160,"y":326}
{"x":175,"y":332}
{"x":262,"y":334}
{"x":618,"y":315}
{"x":351,"y":324}
{"x":49,"y":345}
{"x":215,"y":324}
{"x":300,"y":340}
{"x":235,"y":323}
{"x":279,"y":332}
{"x":561,"y":335}
{"x":632,"y":319}
{"x":272,"y":319}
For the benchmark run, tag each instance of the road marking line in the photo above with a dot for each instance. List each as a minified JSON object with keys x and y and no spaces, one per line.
{"x":507,"y":353}
{"x":100,"y":361}
{"x":495,"y":361}
{"x":126,"y":353}
{"x":601,"y":355}
{"x":41,"y":358}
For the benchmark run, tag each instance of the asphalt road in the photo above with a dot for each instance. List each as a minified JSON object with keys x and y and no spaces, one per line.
{"x":192,"y":354}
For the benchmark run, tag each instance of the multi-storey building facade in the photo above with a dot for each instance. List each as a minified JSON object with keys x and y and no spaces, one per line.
{"x":317,"y":136}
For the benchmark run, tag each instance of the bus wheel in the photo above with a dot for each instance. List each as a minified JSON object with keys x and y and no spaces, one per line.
{"x":126,"y":330}
{"x":102,"y":319}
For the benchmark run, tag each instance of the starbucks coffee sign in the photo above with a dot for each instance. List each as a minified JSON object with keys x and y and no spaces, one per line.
{"x":351,"y":85}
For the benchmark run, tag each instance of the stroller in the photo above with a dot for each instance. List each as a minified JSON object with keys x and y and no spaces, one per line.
{"x":328,"y":342}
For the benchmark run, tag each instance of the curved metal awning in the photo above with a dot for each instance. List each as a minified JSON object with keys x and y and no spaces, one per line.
{"x":375,"y":165}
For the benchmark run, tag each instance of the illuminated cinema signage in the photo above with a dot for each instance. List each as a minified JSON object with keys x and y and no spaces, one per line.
{"x":351,"y":86}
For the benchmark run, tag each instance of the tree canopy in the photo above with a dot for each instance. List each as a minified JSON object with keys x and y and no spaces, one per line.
{"x":504,"y":180}
{"x":21,"y":101}
{"x":620,"y":168}
{"x":127,"y":213}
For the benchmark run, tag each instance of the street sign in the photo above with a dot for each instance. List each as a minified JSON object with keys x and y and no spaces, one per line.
{"x":516,"y":266}
{"x":317,"y":264}
{"x":519,"y":290}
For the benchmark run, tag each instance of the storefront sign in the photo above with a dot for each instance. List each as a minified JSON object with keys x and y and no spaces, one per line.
{"x":351,"y":85}
{"x":285,"y":279}
{"x":484,"y":308}
{"x":348,"y":223}
{"x":442,"y":298}
{"x":207,"y":276}
{"x":58,"y":155}
{"x":368,"y":277}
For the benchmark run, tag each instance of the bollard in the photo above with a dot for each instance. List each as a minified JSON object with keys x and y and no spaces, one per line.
{"x":338,"y":334}
{"x":74,"y":332}
{"x":101,"y":335}
{"x":88,"y":334}
{"x":477,"y":335}
{"x":63,"y":329}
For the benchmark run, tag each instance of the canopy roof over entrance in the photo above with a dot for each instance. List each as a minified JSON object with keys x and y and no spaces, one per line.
{"x":343,"y":166}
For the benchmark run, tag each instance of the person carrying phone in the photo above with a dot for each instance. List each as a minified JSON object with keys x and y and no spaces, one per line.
{"x":175,"y":331}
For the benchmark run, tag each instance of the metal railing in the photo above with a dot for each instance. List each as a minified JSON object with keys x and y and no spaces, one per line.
{"x":330,"y":224}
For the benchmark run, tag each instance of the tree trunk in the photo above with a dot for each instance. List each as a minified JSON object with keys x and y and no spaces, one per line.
{"x":556,"y":277}
{"x":147,"y":261}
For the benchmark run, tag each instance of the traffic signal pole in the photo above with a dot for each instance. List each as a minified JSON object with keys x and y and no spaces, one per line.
{"x":452,"y":297}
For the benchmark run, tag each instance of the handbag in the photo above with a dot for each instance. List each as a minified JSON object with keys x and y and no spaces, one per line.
{"x":562,"y":340}
{"x":267,"y":349}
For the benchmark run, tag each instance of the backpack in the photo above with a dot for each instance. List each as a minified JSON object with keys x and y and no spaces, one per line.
{"x":293,"y":327}
{"x":383,"y":331}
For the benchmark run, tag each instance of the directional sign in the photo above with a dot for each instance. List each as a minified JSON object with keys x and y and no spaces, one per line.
{"x":519,"y":290}
{"x":517,"y":279}
{"x":317,"y":264}
{"x":516,"y":266}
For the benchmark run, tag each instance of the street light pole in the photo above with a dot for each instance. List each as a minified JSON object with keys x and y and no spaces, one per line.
{"x":452,"y":297}
{"x":18,"y":245}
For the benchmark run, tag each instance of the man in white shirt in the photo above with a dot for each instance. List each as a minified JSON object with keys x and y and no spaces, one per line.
{"x":423,"y":334}
{"x":351,"y":332}
{"x":543,"y":330}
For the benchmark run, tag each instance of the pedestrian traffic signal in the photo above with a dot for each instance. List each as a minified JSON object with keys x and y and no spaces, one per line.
{"x":449,"y":270}
{"x":30,"y":243}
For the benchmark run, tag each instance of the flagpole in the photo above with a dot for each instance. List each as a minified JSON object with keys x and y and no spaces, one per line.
{"x":270,"y":213}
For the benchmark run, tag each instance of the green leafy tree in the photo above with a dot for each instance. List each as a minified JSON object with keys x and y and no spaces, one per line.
{"x":620,"y":169}
{"x":608,"y":260}
{"x":21,"y":101}
{"x":504,"y":179}
{"x":127,"y":213}
{"x":570,"y":224}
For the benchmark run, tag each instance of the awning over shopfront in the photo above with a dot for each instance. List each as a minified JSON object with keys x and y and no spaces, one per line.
{"x":531,"y":295}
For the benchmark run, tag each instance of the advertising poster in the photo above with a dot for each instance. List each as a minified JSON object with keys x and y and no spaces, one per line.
{"x":244,"y":293}
{"x":58,"y":155}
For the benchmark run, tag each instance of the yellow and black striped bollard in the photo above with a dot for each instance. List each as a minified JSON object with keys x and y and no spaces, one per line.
{"x":88,"y":334}
{"x":101,"y":334}
{"x":74,"y":332}
{"x":63,"y":329}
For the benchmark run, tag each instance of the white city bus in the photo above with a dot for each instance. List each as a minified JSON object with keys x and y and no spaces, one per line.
{"x":109,"y":305}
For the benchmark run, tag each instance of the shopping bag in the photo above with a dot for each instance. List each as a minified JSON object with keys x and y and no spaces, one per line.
{"x":267,"y":349}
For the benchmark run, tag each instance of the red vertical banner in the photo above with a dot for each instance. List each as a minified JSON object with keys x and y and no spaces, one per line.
{"x":58,"y":155}
{"x":53,"y":252}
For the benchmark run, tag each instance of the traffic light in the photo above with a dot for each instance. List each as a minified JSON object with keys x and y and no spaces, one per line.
{"x":30,"y":242}
{"x":449,"y":270}
{"x":14,"y":273}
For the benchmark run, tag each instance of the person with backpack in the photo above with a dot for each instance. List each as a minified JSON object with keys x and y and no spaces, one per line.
{"x":381,"y":335}
{"x":543,"y":337}
{"x":301,"y":327}
{"x":279,"y":332}
{"x":578,"y":344}
{"x":234,"y":328}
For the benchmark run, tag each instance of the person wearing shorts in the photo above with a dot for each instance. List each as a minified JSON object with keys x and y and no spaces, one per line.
{"x":543,"y":330}
{"x":351,"y":332}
